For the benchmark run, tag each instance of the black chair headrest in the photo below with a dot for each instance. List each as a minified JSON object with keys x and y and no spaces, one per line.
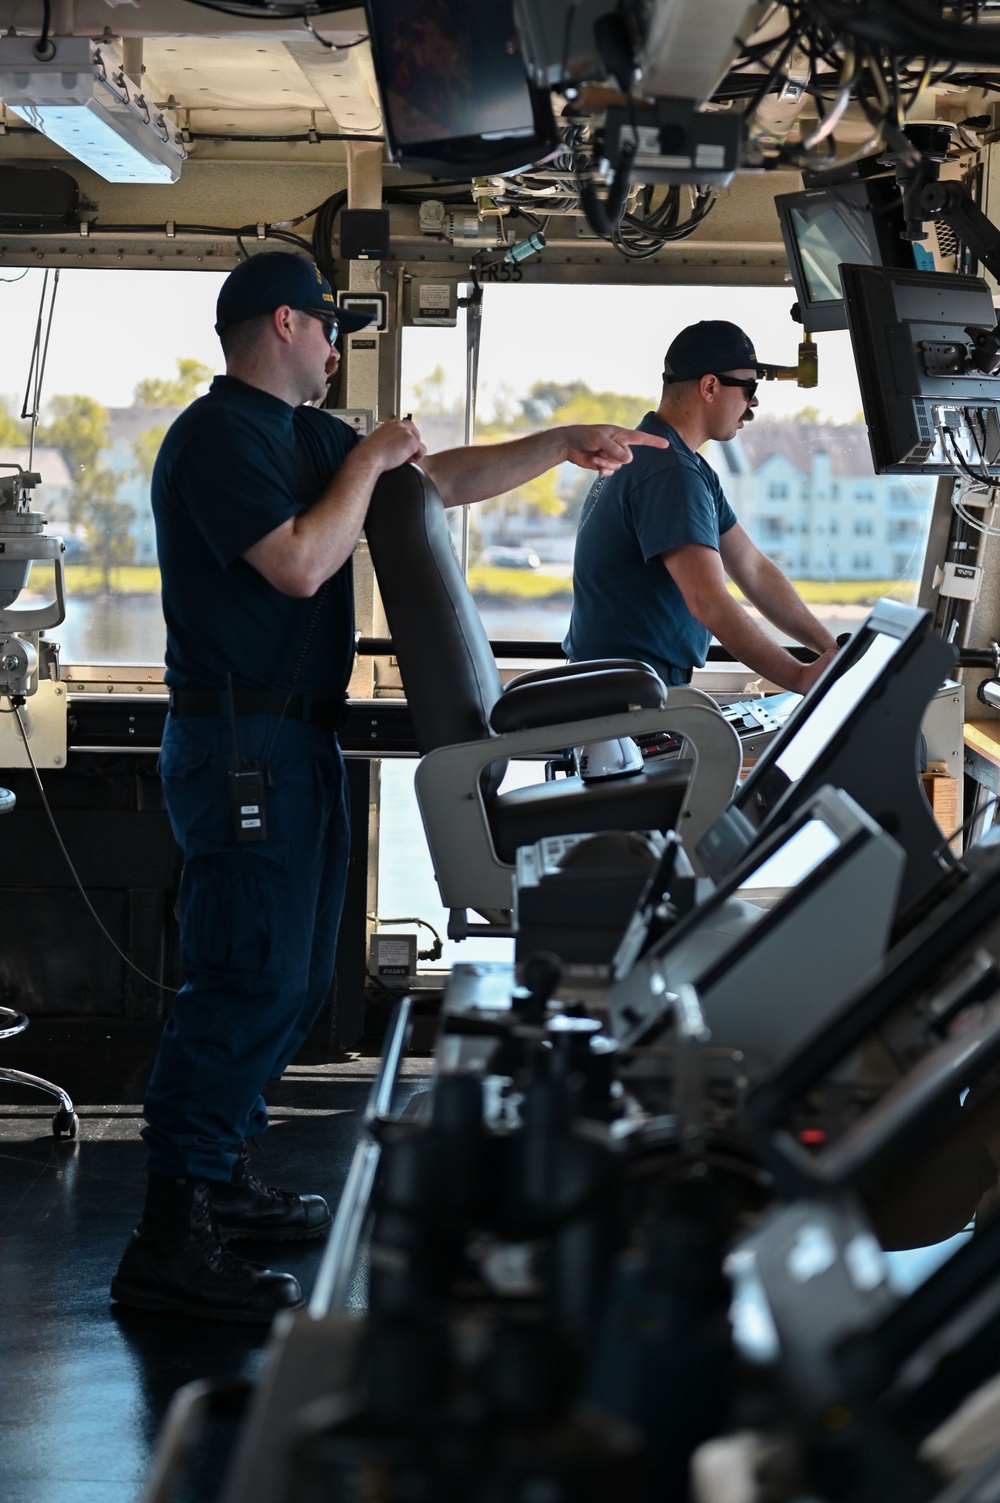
{"x":445,"y":659}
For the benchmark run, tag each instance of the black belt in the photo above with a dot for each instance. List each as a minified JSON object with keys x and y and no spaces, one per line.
{"x":329,"y":712}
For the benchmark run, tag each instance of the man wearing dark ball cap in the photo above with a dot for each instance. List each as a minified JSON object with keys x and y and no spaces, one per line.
{"x":656,"y":542}
{"x":259,"y":499}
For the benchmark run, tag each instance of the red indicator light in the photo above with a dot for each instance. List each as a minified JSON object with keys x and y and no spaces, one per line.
{"x":811,"y":1136}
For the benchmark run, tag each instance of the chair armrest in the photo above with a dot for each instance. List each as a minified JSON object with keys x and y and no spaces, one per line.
{"x":454,"y":813}
{"x":576,"y":696}
{"x":566,"y":670}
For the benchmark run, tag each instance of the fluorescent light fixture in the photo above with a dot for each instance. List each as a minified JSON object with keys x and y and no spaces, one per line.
{"x":82,"y":100}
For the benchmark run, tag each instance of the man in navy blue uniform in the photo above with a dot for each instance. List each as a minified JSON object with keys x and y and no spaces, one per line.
{"x":656,"y":542}
{"x":259,"y":500}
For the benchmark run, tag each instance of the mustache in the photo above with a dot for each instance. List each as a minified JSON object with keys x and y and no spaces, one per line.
{"x":747,"y":416}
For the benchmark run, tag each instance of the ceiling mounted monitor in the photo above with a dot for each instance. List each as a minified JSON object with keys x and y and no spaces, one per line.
{"x":923,"y":344}
{"x":456,"y":97}
{"x":858,"y":222}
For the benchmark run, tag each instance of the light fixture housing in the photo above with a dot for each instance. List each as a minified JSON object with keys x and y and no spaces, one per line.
{"x":82,"y":99}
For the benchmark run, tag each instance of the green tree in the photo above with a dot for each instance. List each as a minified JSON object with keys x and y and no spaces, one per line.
{"x":578,"y":404}
{"x":807,"y":414}
{"x":145,"y":447}
{"x":535,"y":498}
{"x":586,"y":406}
{"x":507,"y":414}
{"x":14,"y":431}
{"x":79,"y":428}
{"x":154,"y":391}
{"x":430,"y":396}
{"x":106,"y":524}
{"x":547,"y":397}
{"x":548,"y":404}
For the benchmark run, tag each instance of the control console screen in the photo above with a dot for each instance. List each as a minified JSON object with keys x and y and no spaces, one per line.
{"x":830,"y":713}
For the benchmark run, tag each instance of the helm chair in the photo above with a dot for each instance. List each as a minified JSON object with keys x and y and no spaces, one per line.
{"x":468,"y":725}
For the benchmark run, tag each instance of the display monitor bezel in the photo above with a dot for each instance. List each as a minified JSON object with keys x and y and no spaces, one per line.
{"x":766,"y":786}
{"x":845,"y":820}
{"x":475,"y":153}
{"x":899,"y":336}
{"x":878,"y":206}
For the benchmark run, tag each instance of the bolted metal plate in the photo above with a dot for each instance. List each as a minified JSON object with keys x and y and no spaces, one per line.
{"x":44,"y":718}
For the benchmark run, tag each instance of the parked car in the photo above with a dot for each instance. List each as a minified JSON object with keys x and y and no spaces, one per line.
{"x":510,"y":558}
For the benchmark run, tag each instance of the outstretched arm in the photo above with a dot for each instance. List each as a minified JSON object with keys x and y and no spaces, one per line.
{"x":482,"y":470}
{"x":764,"y":585}
{"x":698,"y":573}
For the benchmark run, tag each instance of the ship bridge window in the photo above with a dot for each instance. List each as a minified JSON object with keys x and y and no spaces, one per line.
{"x":128,"y":350}
{"x":559,"y":353}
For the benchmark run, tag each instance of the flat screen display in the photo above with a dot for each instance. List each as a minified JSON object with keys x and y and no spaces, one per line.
{"x":723,"y":923}
{"x":827,"y":233}
{"x":854,"y":223}
{"x":454,"y":86}
{"x":830,"y":713}
{"x":789,"y":865}
{"x":929,"y":407}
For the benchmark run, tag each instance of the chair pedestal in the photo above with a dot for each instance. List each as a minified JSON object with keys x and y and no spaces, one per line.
{"x":65,"y":1119}
{"x":12,"y":1023}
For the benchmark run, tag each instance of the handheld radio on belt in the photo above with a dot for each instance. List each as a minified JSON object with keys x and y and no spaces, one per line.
{"x":247,"y":780}
{"x":246,"y":787}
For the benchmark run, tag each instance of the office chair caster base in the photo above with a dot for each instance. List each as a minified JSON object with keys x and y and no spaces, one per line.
{"x":65,"y":1122}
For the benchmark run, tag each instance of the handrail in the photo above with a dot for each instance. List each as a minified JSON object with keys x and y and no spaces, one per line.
{"x":382,"y":647}
{"x":333,"y":1278}
{"x":503,"y":647}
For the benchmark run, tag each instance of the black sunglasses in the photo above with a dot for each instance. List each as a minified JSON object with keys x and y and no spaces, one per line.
{"x":330,"y":322}
{"x":749,"y":384}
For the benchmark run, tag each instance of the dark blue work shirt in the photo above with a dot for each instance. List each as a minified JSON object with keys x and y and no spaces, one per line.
{"x":625,"y":604}
{"x":236,"y":464}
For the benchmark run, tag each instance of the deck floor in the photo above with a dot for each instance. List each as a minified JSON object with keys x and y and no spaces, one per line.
{"x":84,"y":1385}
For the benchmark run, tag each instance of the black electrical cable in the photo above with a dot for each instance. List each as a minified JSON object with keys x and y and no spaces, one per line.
{"x":960,"y":459}
{"x":911,"y":27}
{"x":639,"y":238}
{"x":17,"y":702}
{"x":333,"y":46}
{"x":247,"y":231}
{"x":44,"y":47}
{"x":269,"y":10}
{"x":400,"y":192}
{"x":603,"y":215}
{"x":312,"y":136}
{"x":322,"y":236}
{"x":775,"y":73}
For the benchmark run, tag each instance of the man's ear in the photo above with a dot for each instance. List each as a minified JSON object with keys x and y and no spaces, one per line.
{"x":282,"y":323}
{"x":708,"y":387}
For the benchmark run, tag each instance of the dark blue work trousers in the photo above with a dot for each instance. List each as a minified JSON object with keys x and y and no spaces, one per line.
{"x":258,"y":929}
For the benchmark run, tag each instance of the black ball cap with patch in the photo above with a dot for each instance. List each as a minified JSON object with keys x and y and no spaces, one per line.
{"x":711,"y":347}
{"x":275,"y":279}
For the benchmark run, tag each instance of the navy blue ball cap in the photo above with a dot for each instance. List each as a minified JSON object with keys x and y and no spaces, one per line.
{"x":275,"y":279}
{"x":711,"y":347}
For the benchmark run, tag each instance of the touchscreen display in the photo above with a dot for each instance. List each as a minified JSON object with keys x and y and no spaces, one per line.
{"x":829,"y":714}
{"x":789,"y":865}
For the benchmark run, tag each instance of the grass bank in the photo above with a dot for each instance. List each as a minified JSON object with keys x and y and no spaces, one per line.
{"x":534,"y":584}
{"x":518,"y":584}
{"x":484,"y":580}
{"x":84,"y":580}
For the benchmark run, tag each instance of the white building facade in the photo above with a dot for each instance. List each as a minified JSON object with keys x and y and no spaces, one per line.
{"x":808,"y":496}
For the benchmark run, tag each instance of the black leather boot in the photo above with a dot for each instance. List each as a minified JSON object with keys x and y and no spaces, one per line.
{"x":175,"y":1262}
{"x":246,"y":1208}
